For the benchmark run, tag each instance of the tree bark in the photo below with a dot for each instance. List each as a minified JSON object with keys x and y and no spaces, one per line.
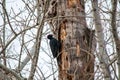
{"x":4,"y":26}
{"x":102,"y":55}
{"x":76,"y":54}
{"x":114,"y":32}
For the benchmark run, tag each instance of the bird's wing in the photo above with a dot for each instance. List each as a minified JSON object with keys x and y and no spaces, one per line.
{"x":54,"y":47}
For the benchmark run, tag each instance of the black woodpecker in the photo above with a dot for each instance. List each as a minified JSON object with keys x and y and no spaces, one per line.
{"x":54,"y":45}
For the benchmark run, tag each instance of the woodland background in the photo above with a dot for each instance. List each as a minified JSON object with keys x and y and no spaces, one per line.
{"x":24,"y":47}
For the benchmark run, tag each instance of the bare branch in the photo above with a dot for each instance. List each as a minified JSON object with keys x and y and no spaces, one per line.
{"x":11,"y":71}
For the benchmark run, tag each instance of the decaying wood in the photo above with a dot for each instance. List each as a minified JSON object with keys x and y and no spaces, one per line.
{"x":72,"y":3}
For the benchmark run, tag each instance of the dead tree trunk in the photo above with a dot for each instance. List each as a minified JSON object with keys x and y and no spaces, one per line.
{"x":76,"y":54}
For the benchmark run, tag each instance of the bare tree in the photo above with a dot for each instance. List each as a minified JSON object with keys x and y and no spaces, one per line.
{"x":114,"y":32}
{"x":88,"y":31}
{"x":103,"y":58}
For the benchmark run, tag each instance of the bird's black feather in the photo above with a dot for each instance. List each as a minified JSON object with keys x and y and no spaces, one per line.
{"x":54,"y":45}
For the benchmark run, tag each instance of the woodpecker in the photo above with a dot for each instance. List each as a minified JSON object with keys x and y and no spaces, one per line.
{"x":54,"y":45}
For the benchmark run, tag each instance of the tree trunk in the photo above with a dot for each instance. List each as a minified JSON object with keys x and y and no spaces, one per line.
{"x":115,"y":33}
{"x":4,"y":19}
{"x":102,"y":55}
{"x":76,"y":54}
